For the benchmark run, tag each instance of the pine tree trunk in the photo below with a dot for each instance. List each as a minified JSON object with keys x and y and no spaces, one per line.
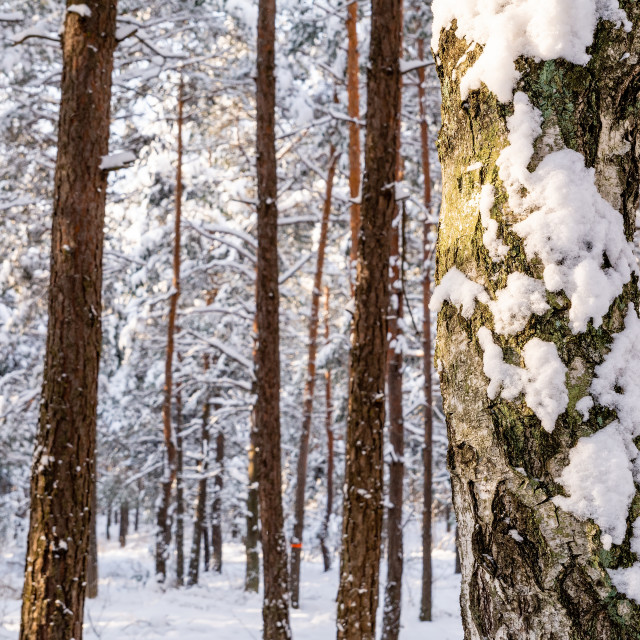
{"x":179,"y":492}
{"x":353,"y":109}
{"x":63,"y":473}
{"x":427,"y":451}
{"x":275,"y":611}
{"x":216,"y":509}
{"x":252,"y":537}
{"x":199,"y":520}
{"x":108,"y":527}
{"x":163,"y":532}
{"x":92,"y":560}
{"x":328,"y":425}
{"x":124,"y":523}
{"x":309,"y":390}
{"x":360,"y":554}
{"x":530,"y":567}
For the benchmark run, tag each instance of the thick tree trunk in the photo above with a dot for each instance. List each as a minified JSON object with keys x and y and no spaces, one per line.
{"x":92,"y":560}
{"x":353,"y":109}
{"x":179,"y":492}
{"x":252,"y":537}
{"x":360,"y":554}
{"x":275,"y":610}
{"x":199,"y":519}
{"x":534,"y":564}
{"x":309,"y":389}
{"x":124,"y":523}
{"x":163,"y":533}
{"x":427,"y":451}
{"x":62,"y":478}
{"x":216,"y":507}
{"x":328,"y":425}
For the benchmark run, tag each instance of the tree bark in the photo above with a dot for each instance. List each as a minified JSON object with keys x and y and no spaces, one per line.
{"x":163,"y":532}
{"x":309,"y":389}
{"x":179,"y":491}
{"x":63,"y":473}
{"x":124,"y":523}
{"x":275,"y":610}
{"x":360,"y":554}
{"x":216,"y":508}
{"x":92,"y":560}
{"x":427,"y":451}
{"x":252,"y":575}
{"x":328,"y":425}
{"x":530,"y":568}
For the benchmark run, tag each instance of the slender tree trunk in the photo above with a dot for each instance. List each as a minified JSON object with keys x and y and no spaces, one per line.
{"x":328,"y":425}
{"x":542,"y":555}
{"x":206,"y":549}
{"x":216,"y":510}
{"x":353,"y":109}
{"x":108,"y":528}
{"x":179,"y":491}
{"x":124,"y":522}
{"x":92,"y":561}
{"x":63,"y":472}
{"x":425,"y":602}
{"x":163,"y":534}
{"x":309,"y":389}
{"x":275,"y":611}
{"x":252,"y":576}
{"x":199,"y":520}
{"x":360,"y":555}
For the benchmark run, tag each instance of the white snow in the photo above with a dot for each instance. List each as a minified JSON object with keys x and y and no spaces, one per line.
{"x":462,"y":292}
{"x":514,"y":305}
{"x":117,"y":160}
{"x":583,"y":406}
{"x":495,"y":246}
{"x":599,"y":481}
{"x":570,"y":226}
{"x":81,"y":9}
{"x":542,"y":380}
{"x":541,"y":29}
{"x":515,"y":535}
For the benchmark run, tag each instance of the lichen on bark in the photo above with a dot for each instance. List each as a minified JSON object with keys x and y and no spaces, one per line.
{"x":529,"y":569}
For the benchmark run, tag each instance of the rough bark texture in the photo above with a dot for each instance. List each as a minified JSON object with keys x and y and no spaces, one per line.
{"x":427,"y":451}
{"x":179,"y":492}
{"x":92,"y":560}
{"x":62,"y":478}
{"x":328,"y":425}
{"x":309,"y":389}
{"x":216,"y":507}
{"x":275,"y":610}
{"x":252,"y":538}
{"x":553,"y":584}
{"x":360,"y":554}
{"x":163,"y":532}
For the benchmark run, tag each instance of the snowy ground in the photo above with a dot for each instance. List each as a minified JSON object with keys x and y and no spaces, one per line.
{"x":131,"y":605}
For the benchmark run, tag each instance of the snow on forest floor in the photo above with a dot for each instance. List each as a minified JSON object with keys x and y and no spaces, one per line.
{"x":131,"y":605}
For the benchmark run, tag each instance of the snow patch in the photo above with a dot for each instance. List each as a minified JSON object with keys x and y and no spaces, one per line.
{"x":494,"y":245}
{"x":462,"y":292}
{"x":117,"y":160}
{"x":81,"y":9}
{"x":583,"y":406}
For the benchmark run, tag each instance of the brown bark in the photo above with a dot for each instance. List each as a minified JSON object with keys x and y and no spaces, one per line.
{"x":124,"y":523}
{"x":163,"y":533}
{"x":275,"y":611}
{"x":309,"y":389}
{"x":360,"y":555}
{"x":328,"y":425}
{"x":199,"y":520}
{"x":63,"y":473}
{"x":426,"y":600}
{"x":179,"y":492}
{"x":216,"y":508}
{"x":353,"y":109}
{"x":252,"y":576}
{"x":92,"y":560}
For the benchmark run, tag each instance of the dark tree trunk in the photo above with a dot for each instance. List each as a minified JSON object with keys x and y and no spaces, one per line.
{"x":63,"y":473}
{"x":124,"y":523}
{"x":275,"y":609}
{"x":328,"y":425}
{"x":360,"y":555}
{"x":163,"y":532}
{"x":179,"y":492}
{"x":532,"y":565}
{"x":427,"y":455}
{"x":252,"y":538}
{"x":108,"y":528}
{"x":309,"y":390}
{"x":216,"y":507}
{"x":206,"y":548}
{"x":92,"y":561}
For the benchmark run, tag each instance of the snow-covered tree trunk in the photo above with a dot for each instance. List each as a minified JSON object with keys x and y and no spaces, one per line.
{"x":538,"y":333}
{"x":63,"y":472}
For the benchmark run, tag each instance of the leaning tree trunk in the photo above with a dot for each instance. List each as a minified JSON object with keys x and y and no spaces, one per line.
{"x":309,"y":389}
{"x":537,"y":375}
{"x":275,"y":609}
{"x":363,"y":507}
{"x":62,"y":478}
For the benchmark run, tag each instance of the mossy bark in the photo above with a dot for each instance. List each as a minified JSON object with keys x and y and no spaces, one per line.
{"x":553,"y":583}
